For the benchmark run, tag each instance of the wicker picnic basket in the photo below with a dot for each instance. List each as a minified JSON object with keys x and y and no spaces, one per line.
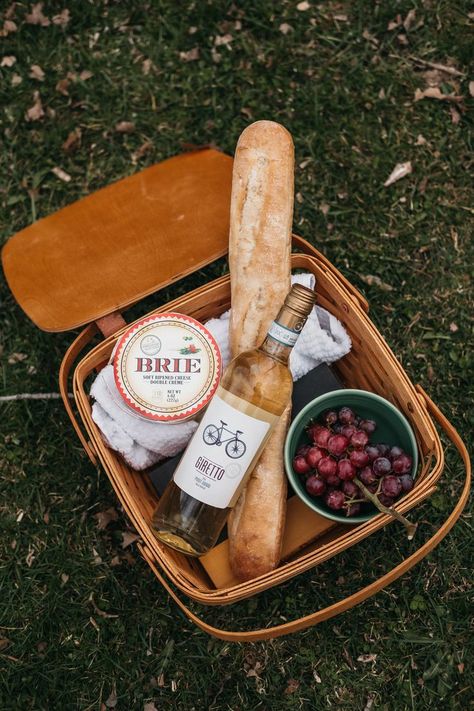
{"x":93,"y":259}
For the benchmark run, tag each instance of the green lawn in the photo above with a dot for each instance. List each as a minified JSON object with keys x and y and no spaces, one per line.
{"x":85,"y":624}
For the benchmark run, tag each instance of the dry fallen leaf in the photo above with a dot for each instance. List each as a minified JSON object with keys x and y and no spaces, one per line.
{"x":247,"y":112}
{"x":103,"y":518}
{"x":453,"y":327}
{"x":36,"y":72}
{"x":17,"y":358}
{"x":471,"y":88}
{"x":36,"y":16}
{"x":4,"y":642}
{"x":393,"y":24}
{"x":35,"y":112}
{"x":373,"y":280}
{"x":150,"y":707}
{"x":455,"y":115}
{"x":8,"y":27}
{"x":285,"y":28}
{"x":366,"y":658}
{"x":128,"y":538}
{"x":292,"y":686}
{"x":341,"y":18}
{"x":403,"y":40}
{"x":125,"y":127}
{"x":8,"y":61}
{"x":85,"y":75}
{"x":420,"y":140}
{"x":61,"y":174}
{"x":190,"y":56}
{"x":433,"y":92}
{"x":216,"y":57}
{"x":221,"y":40}
{"x":146,"y":66}
{"x":64,"y":578}
{"x":111,"y":702}
{"x":409,"y":19}
{"x":72,"y":141}
{"x":303,"y":6}
{"x":62,"y":87}
{"x":63,"y":18}
{"x":399,"y":172}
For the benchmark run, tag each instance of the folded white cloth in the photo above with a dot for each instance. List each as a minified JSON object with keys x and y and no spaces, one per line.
{"x":143,"y":442}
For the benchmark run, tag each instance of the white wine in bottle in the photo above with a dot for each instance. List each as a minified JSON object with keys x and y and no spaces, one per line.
{"x":253,"y":393}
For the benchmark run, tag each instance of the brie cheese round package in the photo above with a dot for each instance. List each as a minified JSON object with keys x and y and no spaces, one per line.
{"x":167,"y":367}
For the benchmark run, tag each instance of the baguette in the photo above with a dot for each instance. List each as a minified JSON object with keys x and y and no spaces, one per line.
{"x":259,"y":258}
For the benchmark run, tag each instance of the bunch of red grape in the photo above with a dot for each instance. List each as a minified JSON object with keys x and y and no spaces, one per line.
{"x":341,"y":451}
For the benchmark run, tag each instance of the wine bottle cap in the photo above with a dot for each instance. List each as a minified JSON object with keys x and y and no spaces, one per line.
{"x":301,"y":299}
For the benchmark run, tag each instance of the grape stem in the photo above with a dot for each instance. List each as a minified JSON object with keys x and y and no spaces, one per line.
{"x":410,"y":527}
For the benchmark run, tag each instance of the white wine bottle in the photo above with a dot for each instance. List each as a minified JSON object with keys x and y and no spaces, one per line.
{"x":253,"y":393}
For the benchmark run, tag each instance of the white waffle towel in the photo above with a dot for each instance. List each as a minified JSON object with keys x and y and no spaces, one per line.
{"x":142,"y":442}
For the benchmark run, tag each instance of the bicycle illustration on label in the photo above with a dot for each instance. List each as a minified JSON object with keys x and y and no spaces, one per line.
{"x":235,"y":447}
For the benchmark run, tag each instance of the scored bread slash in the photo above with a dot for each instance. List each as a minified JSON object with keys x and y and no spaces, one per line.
{"x":167,"y":367}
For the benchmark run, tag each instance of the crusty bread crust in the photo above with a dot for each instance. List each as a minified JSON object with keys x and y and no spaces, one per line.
{"x":260,"y":267}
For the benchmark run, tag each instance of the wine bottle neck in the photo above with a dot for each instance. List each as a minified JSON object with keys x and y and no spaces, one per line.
{"x":283,"y":334}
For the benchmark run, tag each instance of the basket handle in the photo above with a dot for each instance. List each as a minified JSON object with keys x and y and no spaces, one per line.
{"x":362,"y":594}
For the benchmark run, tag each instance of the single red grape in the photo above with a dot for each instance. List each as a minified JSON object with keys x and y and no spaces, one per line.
{"x":391,"y":485}
{"x":382,"y":466}
{"x":303,"y":450}
{"x":384,"y":449}
{"x":402,"y":464}
{"x":359,"y":458}
{"x":321,"y":437}
{"x":407,"y":482}
{"x":353,"y":509}
{"x":359,"y":439}
{"x":345,"y":469}
{"x":327,"y":466}
{"x":330,"y":417}
{"x":367,"y":476}
{"x":368,"y":426}
{"x":335,"y":499}
{"x":300,"y":465}
{"x":346,"y":416}
{"x":337,"y":428}
{"x":312,"y":430}
{"x":395,"y":452}
{"x":333,"y":480}
{"x":348,"y":430}
{"x":315,"y":486}
{"x":313,"y":455}
{"x":385,"y":500}
{"x":337,"y":445}
{"x":373,"y":451}
{"x":350,"y":489}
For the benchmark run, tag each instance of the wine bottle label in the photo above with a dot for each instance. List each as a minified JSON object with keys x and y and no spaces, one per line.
{"x":223,"y":449}
{"x":282,"y":334}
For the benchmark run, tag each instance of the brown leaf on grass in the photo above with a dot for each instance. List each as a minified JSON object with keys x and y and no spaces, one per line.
{"x":409,"y":19}
{"x":399,"y":172}
{"x":403,"y":40}
{"x":61,"y":174}
{"x":190,"y":56}
{"x":141,"y":151}
{"x":4,"y":642}
{"x":434,"y":92}
{"x":373,"y":280}
{"x":146,"y":66}
{"x":36,"y":16}
{"x":35,"y":112}
{"x":247,"y":112}
{"x":62,"y":87}
{"x":103,"y":518}
{"x":36,"y":72}
{"x":111,"y":701}
{"x":63,"y":18}
{"x":303,"y":6}
{"x":453,"y":327}
{"x":285,"y":28}
{"x":292,"y":686}
{"x":455,"y":115}
{"x":128,"y":538}
{"x":471,"y":88}
{"x":366,"y":658}
{"x":8,"y":61}
{"x":17,"y":358}
{"x":393,"y":24}
{"x":73,"y":141}
{"x":16,"y":79}
{"x":223,"y":40}
{"x":420,"y":140}
{"x":8,"y":27}
{"x":125,"y":127}
{"x":64,"y":579}
{"x":341,"y":17}
{"x":150,"y":706}
{"x":85,"y":75}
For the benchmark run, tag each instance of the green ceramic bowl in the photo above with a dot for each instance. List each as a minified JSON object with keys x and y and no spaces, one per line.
{"x":392,"y":428}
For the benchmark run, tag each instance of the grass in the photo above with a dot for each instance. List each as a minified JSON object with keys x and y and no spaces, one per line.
{"x":85,"y":624}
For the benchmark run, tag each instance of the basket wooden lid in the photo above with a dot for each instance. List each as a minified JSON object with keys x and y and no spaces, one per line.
{"x":122,"y":243}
